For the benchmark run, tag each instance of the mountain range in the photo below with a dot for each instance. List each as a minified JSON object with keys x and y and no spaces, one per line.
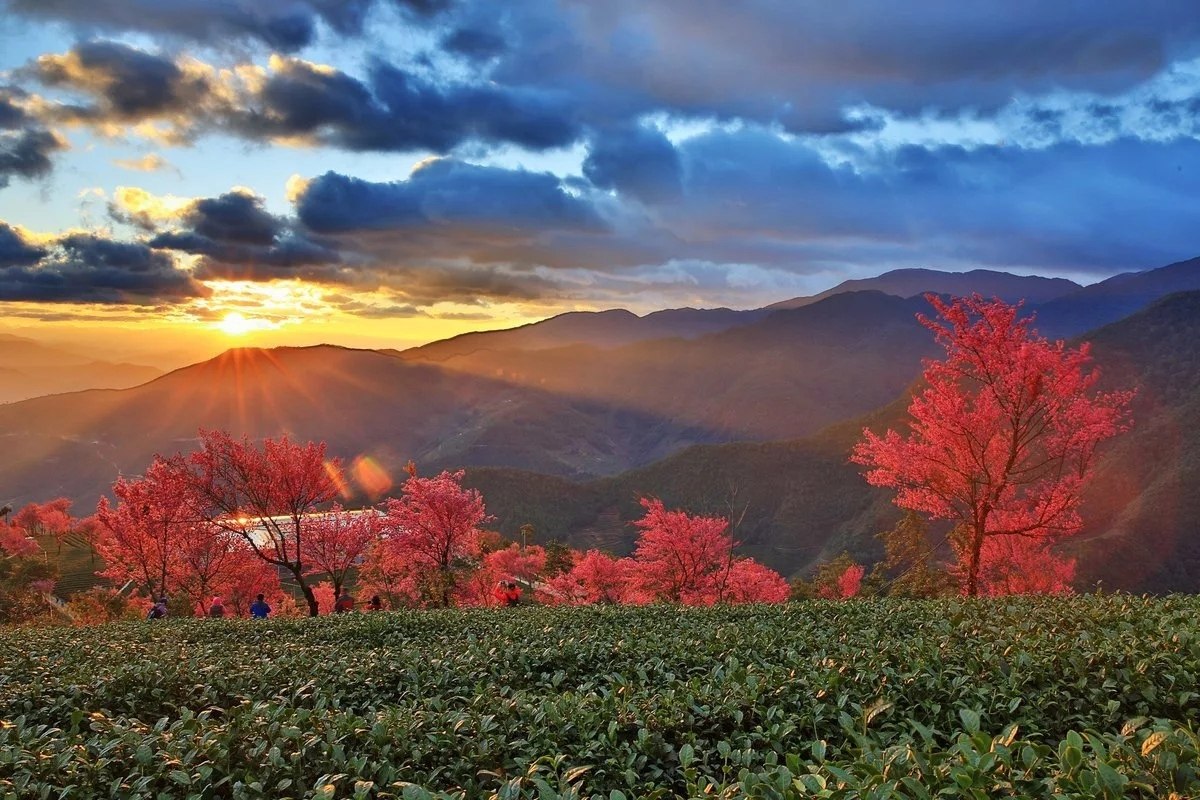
{"x":564,"y":423}
{"x":29,"y":368}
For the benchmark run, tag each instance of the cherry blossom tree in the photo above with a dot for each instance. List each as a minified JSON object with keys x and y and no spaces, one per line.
{"x":263,"y":494}
{"x":751,"y":582}
{"x":50,"y":519}
{"x":136,"y":537}
{"x":1021,"y":565}
{"x":338,"y":541}
{"x":25,"y":574}
{"x":596,"y":577}
{"x":847,"y":584}
{"x":431,"y":536}
{"x":244,"y":577}
{"x":512,"y":563}
{"x":680,"y":557}
{"x":1002,"y":438}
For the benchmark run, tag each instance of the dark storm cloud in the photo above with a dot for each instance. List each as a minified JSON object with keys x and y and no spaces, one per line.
{"x":26,"y":153}
{"x":15,"y":251}
{"x":450,"y":195}
{"x":26,"y":146}
{"x":283,"y":25}
{"x":237,"y":238}
{"x":473,"y":43}
{"x":233,"y":217}
{"x":11,"y":115}
{"x":287,"y":257}
{"x":639,"y":162}
{"x":130,"y":83}
{"x":392,"y":110}
{"x":396,"y":111}
{"x":89,"y":268}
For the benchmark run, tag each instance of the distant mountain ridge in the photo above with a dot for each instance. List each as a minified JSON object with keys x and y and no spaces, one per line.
{"x":916,"y":281}
{"x":601,"y":329}
{"x":1115,"y":298}
{"x":31,"y":368}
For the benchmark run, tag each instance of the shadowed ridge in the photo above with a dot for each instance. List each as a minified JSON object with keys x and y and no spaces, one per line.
{"x":916,"y":281}
{"x":1115,"y":298}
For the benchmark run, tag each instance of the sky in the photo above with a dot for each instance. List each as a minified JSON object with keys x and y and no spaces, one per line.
{"x":387,"y":172}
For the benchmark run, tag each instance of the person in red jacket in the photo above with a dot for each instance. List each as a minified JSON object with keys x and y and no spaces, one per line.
{"x":507,"y":593}
{"x":344,"y":604}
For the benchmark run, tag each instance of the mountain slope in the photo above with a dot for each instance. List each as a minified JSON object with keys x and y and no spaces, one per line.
{"x":359,"y":401}
{"x":1143,"y":506}
{"x":787,"y":375}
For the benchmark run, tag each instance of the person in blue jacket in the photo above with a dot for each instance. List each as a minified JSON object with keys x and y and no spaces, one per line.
{"x":259,"y":608}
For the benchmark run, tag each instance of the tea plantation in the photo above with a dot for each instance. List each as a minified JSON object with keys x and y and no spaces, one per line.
{"x":1084,"y":697}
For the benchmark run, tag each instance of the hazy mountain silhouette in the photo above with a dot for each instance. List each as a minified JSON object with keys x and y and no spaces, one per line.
{"x":788,"y":374}
{"x":29,"y":368}
{"x":914,"y":282}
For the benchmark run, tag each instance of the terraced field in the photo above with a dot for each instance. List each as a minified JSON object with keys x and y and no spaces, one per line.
{"x":1084,"y":697}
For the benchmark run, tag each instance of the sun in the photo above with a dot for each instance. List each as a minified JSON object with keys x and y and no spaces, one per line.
{"x":236,"y":323}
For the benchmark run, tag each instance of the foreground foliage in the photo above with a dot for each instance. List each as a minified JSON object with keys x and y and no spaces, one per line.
{"x":1033,"y":697}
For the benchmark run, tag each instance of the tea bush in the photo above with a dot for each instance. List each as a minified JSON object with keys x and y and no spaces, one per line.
{"x":1082,"y":697}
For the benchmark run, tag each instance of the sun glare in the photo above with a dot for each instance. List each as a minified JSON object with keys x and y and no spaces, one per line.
{"x":237,"y":324}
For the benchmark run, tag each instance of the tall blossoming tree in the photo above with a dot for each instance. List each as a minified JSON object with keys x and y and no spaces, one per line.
{"x":337,"y":542}
{"x":1002,"y":438}
{"x":265,"y":494}
{"x":431,"y":537}
{"x":139,"y":537}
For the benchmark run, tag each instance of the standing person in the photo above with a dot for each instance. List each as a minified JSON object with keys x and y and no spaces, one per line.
{"x":158,"y":610}
{"x":259,"y":608}
{"x":217,"y":609}
{"x":376,"y":603}
{"x":507,"y":593}
{"x":344,"y":603}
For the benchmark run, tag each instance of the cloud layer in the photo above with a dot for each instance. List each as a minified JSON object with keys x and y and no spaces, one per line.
{"x":691,"y":147}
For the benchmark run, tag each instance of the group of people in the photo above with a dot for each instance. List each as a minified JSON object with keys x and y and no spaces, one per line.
{"x":345,"y":603}
{"x":507,"y":593}
{"x":260,"y":609}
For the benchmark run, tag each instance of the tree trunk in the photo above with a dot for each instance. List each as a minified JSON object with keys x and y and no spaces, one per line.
{"x":309,"y":595}
{"x":973,"y":564}
{"x":445,"y":581}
